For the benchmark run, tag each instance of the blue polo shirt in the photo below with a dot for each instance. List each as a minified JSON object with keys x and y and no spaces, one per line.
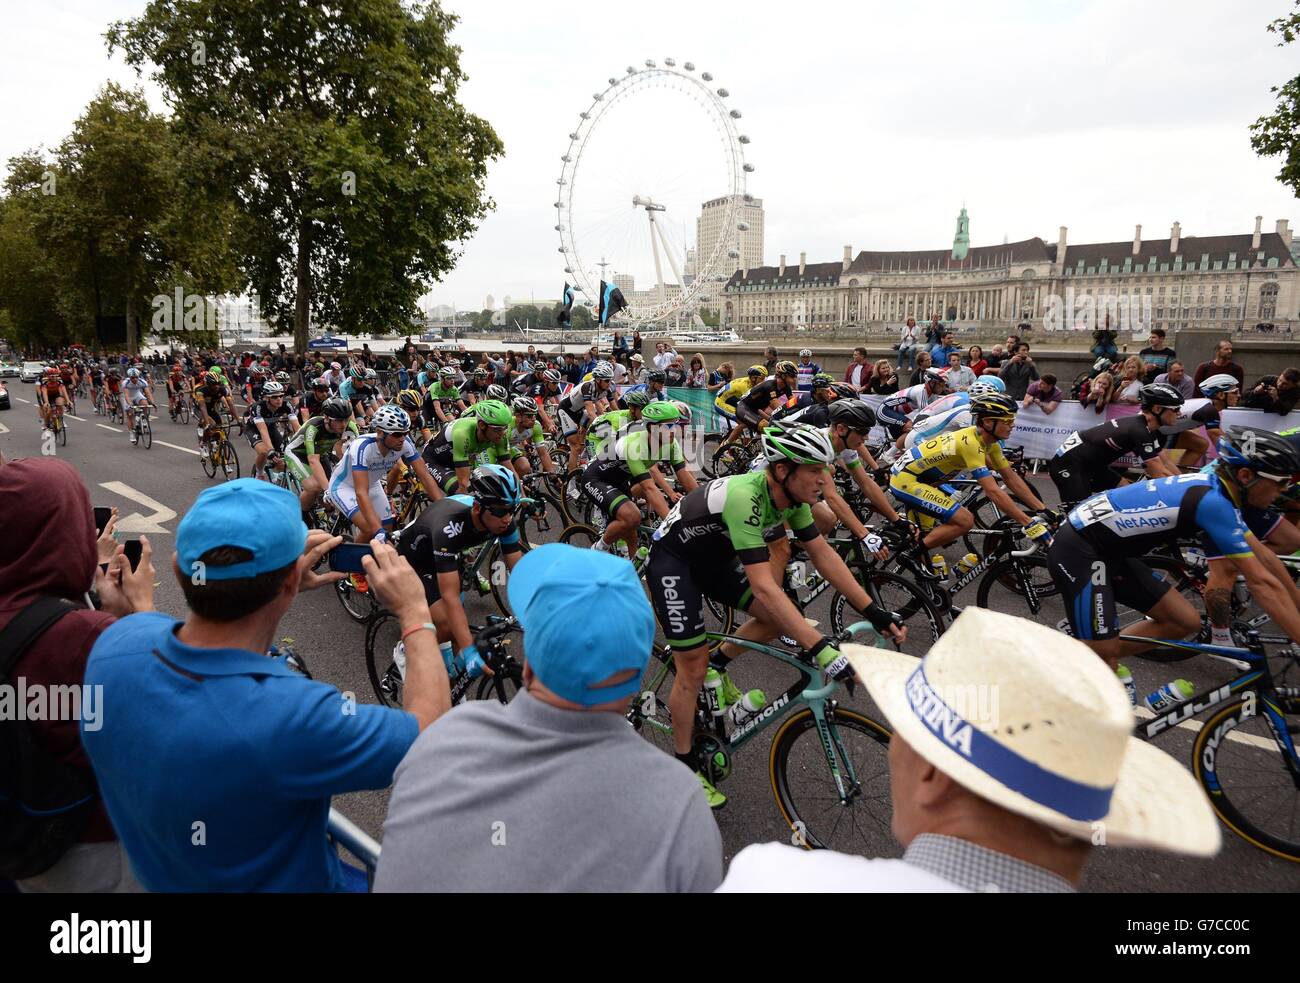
{"x":237,"y":742}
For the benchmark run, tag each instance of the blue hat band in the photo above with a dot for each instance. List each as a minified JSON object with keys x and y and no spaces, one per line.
{"x":1070,"y":798}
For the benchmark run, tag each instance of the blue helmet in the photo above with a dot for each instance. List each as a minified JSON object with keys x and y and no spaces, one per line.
{"x":493,"y":484}
{"x":1262,"y":451}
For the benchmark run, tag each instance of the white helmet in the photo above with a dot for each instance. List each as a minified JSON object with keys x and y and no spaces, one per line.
{"x":392,"y":419}
{"x":982,"y":387}
{"x":797,"y":443}
{"x":805,"y":353}
{"x":1220,"y":383}
{"x":272,"y":389}
{"x":603,"y":370}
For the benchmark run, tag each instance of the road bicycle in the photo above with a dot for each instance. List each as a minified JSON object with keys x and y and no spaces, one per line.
{"x":217,"y":452}
{"x":58,"y":426}
{"x":179,"y":407}
{"x":141,"y":431}
{"x":828,"y":764}
{"x":506,"y":679}
{"x":1244,"y":754}
{"x":717,"y":461}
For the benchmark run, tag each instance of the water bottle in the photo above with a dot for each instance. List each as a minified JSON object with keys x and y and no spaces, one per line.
{"x":1126,"y":678}
{"x":939,"y":564}
{"x":642,"y":553}
{"x":1169,"y":695}
{"x":713,"y":691}
{"x":747,"y":707}
{"x":967,"y":563}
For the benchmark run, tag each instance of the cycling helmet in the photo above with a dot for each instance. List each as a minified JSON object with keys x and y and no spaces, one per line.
{"x":272,"y":388}
{"x":371,"y":375}
{"x":1264,"y":452}
{"x":357,"y":372}
{"x":282,"y":377}
{"x":320,"y":383}
{"x":996,"y":405}
{"x":1220,"y":383}
{"x":410,"y":399}
{"x":854,"y":414}
{"x":392,"y":419}
{"x":603,"y":370}
{"x":786,"y":367}
{"x":1160,"y":394}
{"x":493,"y":412}
{"x":843,"y":390}
{"x":983,"y":387}
{"x":255,"y":369}
{"x":822,"y":380}
{"x":933,"y":375}
{"x":212,"y":378}
{"x":758,"y":370}
{"x":550,"y":375}
{"x":805,"y":353}
{"x":336,"y":408}
{"x":131,"y":373}
{"x":797,"y":443}
{"x":685,"y":411}
{"x":428,"y":366}
{"x":447,"y":372}
{"x":480,"y":373}
{"x":638,"y":398}
{"x":523,"y":404}
{"x":53,"y":370}
{"x":497,"y":392}
{"x":493,"y":484}
{"x":656,"y":376}
{"x":661,"y":411}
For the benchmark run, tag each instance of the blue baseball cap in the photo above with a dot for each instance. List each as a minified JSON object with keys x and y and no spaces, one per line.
{"x":254,"y":515}
{"x":585,"y":617}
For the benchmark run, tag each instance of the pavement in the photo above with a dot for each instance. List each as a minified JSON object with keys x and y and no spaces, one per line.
{"x":153,"y":488}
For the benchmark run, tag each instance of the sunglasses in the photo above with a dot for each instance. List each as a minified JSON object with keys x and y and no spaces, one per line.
{"x":500,"y":511}
{"x":1283,"y":481}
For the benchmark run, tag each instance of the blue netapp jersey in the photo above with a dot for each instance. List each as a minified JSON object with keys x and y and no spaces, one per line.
{"x":1133,"y":520}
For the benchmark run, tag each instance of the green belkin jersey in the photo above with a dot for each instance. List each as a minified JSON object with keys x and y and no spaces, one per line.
{"x":727,"y":516}
{"x":605,"y":426}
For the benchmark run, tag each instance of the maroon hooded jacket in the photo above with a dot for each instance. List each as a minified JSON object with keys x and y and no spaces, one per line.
{"x":48,"y":548}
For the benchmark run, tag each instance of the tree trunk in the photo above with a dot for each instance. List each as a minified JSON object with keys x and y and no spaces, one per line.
{"x":302,"y":298}
{"x":132,"y":324}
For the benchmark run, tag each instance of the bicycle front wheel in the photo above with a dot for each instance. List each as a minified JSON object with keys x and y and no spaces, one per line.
{"x":817,"y":814}
{"x":382,"y":636}
{"x":229,"y":459}
{"x":897,"y":594}
{"x":146,"y":434}
{"x":1238,"y":761}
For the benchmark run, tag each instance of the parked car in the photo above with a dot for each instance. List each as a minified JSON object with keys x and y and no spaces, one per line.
{"x":32,"y":371}
{"x":4,"y":397}
{"x":8,"y":370}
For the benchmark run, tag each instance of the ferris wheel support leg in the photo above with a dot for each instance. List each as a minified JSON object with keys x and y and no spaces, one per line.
{"x":654,"y":244}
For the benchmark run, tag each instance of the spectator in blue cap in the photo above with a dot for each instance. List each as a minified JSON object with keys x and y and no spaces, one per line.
{"x":216,"y":762}
{"x":554,"y":791}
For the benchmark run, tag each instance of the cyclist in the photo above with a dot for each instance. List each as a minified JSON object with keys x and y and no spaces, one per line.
{"x":613,"y":481}
{"x":435,"y":541}
{"x":413,"y":402}
{"x":357,"y":486}
{"x":268,"y":417}
{"x":918,"y":478}
{"x":96,"y":378}
{"x":615,"y":423}
{"x":253,"y":383}
{"x":442,"y":403}
{"x":950,"y":413}
{"x":724,"y":404}
{"x":176,"y":388}
{"x":895,"y":411}
{"x":755,"y":408}
{"x":209,"y":395}
{"x":475,"y":387}
{"x":135,"y":390}
{"x":712,"y":545}
{"x":527,"y":432}
{"x":1082,"y":465}
{"x":1186,"y":447}
{"x":320,"y":439}
{"x":1097,"y":553}
{"x":580,"y":406}
{"x":813,"y":406}
{"x":314,"y":399}
{"x":546,"y":394}
{"x":654,"y":387}
{"x":51,"y":392}
{"x":112,"y":390}
{"x":807,"y":369}
{"x":451,"y":451}
{"x":291,"y":395}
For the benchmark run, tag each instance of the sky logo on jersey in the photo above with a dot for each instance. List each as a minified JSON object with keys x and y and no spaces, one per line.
{"x":453,"y":528}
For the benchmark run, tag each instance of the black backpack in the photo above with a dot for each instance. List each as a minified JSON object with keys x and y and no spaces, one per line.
{"x":44,"y":803}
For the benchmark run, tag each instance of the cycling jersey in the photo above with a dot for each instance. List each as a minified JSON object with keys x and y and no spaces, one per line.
{"x":948,"y":455}
{"x":434,"y":542}
{"x":208,"y":395}
{"x":518,"y":441}
{"x":315,"y":437}
{"x":1082,"y":465}
{"x":760,"y":397}
{"x":943,"y":416}
{"x":575,"y":400}
{"x":605,"y":426}
{"x":730,"y":394}
{"x":897,"y":408}
{"x":442,"y":394}
{"x":370,"y":456}
{"x":727,"y":517}
{"x":806,"y":373}
{"x":457,"y":445}
{"x":634,"y":454}
{"x":134,"y":388}
{"x":473,"y":390}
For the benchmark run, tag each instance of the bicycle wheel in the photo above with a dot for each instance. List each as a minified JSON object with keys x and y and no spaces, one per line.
{"x":805,"y":789}
{"x":497,"y":577}
{"x":1244,"y":771}
{"x":62,"y":431}
{"x":229,"y":459}
{"x":580,"y":535}
{"x":183,"y":412}
{"x":359,"y":606}
{"x":382,"y":635}
{"x":648,"y":713}
{"x":146,"y":433}
{"x":704,"y":457}
{"x":503,"y":686}
{"x":897,"y":594}
{"x":1012,"y":585}
{"x":205,"y":459}
{"x":734,"y":459}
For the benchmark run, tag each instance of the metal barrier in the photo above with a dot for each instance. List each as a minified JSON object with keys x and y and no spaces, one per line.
{"x":343,"y":832}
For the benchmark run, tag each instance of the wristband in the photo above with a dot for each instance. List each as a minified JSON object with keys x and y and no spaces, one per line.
{"x":414,"y":628}
{"x":816,"y":650}
{"x":880,"y":618}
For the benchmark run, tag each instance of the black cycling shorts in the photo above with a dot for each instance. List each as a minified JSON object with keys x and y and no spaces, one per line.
{"x":444,"y":477}
{"x":608,"y":497}
{"x":1089,"y":584}
{"x":746,"y":415}
{"x":678,"y":588}
{"x":1074,"y":482}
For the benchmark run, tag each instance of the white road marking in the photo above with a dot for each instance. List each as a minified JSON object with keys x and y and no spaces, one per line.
{"x":105,"y":426}
{"x":176,"y":447}
{"x":3,"y":428}
{"x":21,"y":400}
{"x":135,"y":522}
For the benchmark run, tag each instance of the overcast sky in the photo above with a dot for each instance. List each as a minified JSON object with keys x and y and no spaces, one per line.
{"x":871,"y":123}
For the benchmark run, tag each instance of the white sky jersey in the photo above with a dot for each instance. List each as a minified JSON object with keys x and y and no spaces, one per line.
{"x":927,"y":424}
{"x":898,"y":407}
{"x":136,"y":386}
{"x":367,"y":454}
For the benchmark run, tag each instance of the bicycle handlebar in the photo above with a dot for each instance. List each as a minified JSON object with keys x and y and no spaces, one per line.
{"x":495,"y":628}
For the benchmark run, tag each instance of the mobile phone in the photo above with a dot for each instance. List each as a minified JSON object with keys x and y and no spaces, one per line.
{"x":132,"y":548}
{"x":346,"y":557}
{"x":102,"y":514}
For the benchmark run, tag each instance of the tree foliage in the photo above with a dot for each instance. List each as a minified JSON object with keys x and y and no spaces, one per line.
{"x":1278,"y":135}
{"x":355,"y":169}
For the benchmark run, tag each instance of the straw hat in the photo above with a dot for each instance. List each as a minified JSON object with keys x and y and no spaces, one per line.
{"x":1045,"y":731}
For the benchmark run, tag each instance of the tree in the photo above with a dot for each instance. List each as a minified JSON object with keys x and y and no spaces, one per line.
{"x":355,"y":168}
{"x":29,"y":291}
{"x":1278,"y":135}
